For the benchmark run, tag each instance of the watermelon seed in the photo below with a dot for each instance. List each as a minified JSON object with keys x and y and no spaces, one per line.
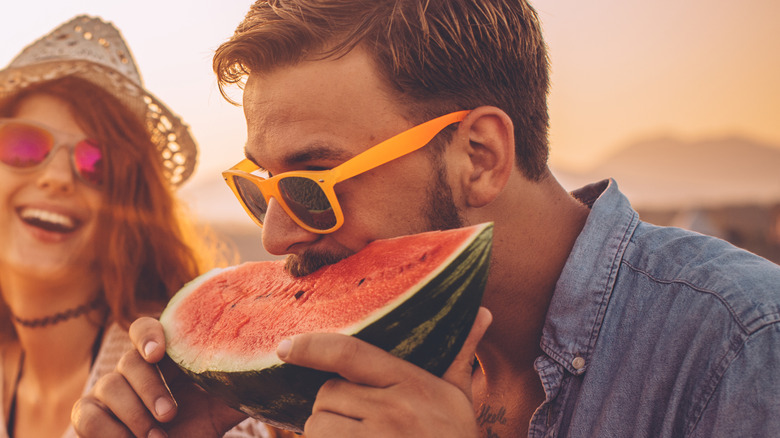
{"x":361,"y":281}
{"x":299,"y":294}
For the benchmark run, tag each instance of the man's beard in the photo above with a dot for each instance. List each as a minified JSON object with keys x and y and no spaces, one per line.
{"x":440,"y":214}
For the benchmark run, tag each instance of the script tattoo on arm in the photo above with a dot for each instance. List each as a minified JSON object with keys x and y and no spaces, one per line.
{"x":489,"y":416}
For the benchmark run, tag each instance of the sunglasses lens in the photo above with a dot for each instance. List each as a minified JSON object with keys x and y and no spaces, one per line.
{"x":23,"y":145}
{"x":308,"y":202}
{"x":251,"y":196}
{"x":89,"y":161}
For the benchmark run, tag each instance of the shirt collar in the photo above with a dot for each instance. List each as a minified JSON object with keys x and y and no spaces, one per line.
{"x":583,"y":290}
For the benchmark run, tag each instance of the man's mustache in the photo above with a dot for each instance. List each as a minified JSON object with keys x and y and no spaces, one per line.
{"x":299,"y":265}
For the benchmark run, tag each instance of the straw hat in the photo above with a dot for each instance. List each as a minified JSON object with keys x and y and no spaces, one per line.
{"x":94,"y":50}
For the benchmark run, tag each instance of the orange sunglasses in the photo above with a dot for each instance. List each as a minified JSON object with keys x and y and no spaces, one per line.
{"x":308,"y":196}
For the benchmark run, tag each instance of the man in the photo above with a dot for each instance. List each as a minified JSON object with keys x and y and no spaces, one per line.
{"x":601,"y":325}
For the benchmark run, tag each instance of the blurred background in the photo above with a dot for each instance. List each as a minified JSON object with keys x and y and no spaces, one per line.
{"x":678,"y":101}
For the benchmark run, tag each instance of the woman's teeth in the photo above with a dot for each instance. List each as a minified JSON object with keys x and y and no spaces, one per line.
{"x":48,"y":220}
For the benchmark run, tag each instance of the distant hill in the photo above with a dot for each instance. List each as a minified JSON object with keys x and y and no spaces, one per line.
{"x":669,"y":173}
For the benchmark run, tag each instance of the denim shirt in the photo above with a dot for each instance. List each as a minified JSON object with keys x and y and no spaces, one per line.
{"x":658,"y":332}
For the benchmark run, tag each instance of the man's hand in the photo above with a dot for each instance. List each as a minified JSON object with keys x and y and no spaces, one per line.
{"x":380,"y":395}
{"x":134,"y":400}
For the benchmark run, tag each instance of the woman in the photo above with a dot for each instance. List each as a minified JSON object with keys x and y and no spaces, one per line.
{"x":91,"y":233}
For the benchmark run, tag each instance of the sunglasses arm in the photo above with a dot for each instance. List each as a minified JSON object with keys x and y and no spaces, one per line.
{"x":395,"y":147}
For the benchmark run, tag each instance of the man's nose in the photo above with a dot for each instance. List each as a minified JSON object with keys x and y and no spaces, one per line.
{"x":281,"y":235}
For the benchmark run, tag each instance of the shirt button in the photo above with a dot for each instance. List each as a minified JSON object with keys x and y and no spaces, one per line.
{"x":578,"y":363}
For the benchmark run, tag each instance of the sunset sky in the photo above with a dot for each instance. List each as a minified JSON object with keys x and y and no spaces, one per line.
{"x":622,"y":70}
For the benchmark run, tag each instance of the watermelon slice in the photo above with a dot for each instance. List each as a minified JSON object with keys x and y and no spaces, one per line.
{"x":414,"y":296}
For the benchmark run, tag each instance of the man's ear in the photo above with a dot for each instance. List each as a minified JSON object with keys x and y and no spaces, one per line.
{"x":491,"y":154}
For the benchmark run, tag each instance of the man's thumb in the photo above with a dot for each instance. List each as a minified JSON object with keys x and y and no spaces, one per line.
{"x":459,"y":373}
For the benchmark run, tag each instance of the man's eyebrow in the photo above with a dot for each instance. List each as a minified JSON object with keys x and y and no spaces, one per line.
{"x":312,"y":152}
{"x":317,"y":151}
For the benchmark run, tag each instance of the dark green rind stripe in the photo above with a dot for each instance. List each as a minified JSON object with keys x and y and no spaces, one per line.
{"x":428,"y":330}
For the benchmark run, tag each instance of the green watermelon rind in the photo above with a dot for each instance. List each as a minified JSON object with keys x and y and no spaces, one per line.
{"x":427,"y":328}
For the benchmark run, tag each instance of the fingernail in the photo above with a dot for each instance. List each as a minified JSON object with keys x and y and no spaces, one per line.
{"x":149,"y":348}
{"x":157,"y":433}
{"x":162,"y":406}
{"x":284,"y":348}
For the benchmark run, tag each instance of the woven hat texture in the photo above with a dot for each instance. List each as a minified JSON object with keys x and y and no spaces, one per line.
{"x":94,"y":50}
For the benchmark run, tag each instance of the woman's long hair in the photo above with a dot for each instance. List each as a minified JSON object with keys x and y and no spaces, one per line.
{"x":147,"y":246}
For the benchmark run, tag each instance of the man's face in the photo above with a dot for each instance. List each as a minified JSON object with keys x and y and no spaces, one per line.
{"x":317,"y":114}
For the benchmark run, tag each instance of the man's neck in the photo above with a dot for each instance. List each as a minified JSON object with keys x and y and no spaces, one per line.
{"x":536,"y":226}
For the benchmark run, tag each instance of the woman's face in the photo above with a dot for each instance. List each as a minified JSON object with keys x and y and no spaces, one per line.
{"x":48,"y":216}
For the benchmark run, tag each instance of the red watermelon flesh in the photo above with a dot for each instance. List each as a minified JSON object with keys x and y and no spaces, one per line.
{"x":258,"y":303}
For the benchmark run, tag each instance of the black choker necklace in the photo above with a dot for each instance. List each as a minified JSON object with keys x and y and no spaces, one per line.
{"x":59,"y":316}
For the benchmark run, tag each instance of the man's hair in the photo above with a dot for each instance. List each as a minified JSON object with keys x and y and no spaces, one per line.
{"x":437,"y":56}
